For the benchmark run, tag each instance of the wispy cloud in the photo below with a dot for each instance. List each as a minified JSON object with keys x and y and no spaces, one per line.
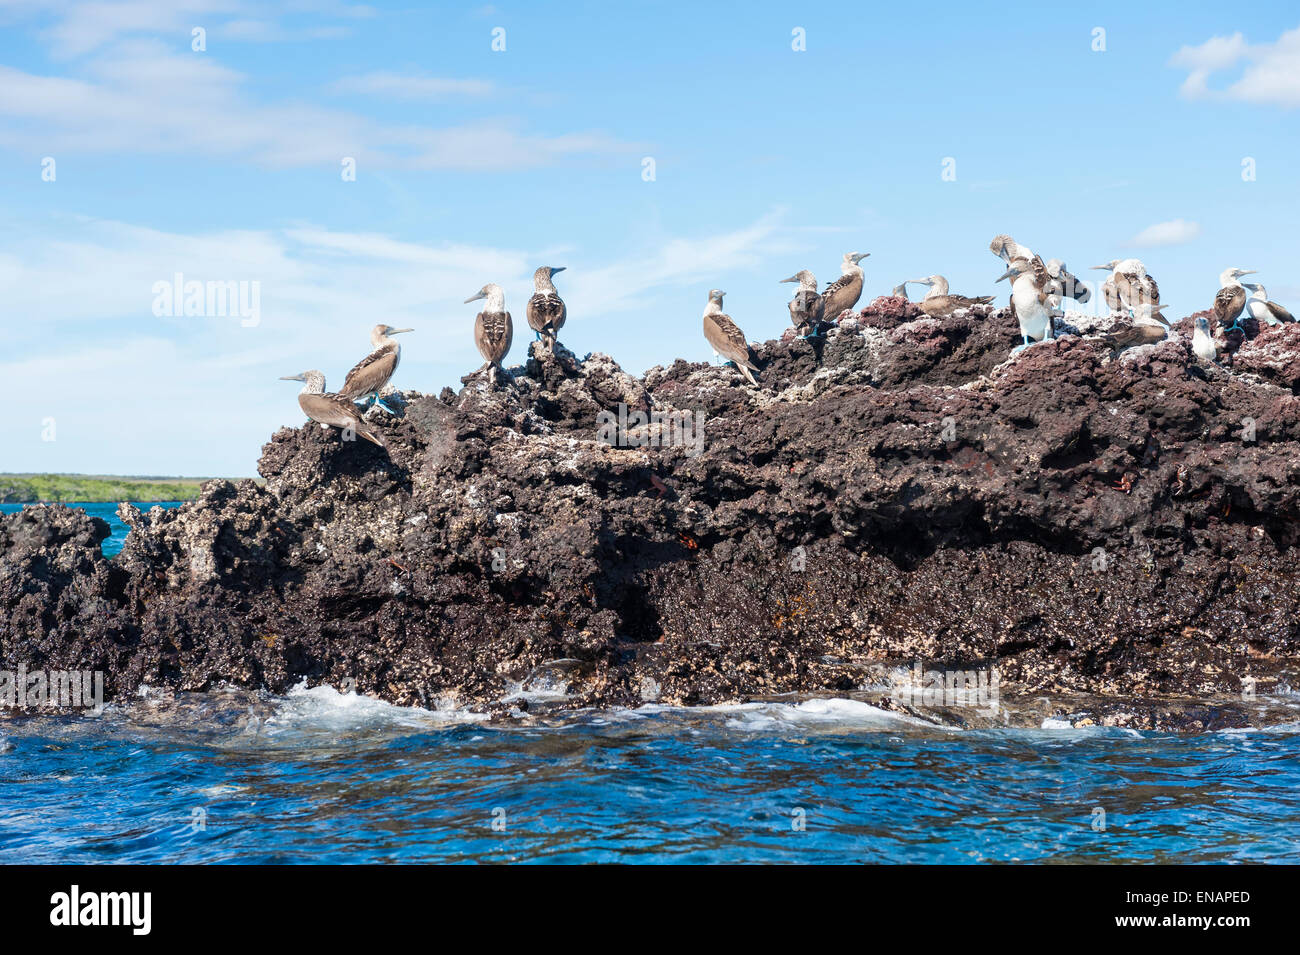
{"x":397,"y":85}
{"x":1173,"y":232}
{"x":1271,"y":75}
{"x":142,"y":98}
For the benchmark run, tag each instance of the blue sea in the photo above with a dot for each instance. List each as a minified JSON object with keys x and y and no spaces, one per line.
{"x":317,"y":776}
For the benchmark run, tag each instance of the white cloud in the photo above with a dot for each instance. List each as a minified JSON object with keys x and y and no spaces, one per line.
{"x":140,"y":97}
{"x":1173,"y":232}
{"x":396,"y":85}
{"x":1271,"y":75}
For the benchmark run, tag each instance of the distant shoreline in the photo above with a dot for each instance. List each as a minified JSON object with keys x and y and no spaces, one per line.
{"x":95,"y":489}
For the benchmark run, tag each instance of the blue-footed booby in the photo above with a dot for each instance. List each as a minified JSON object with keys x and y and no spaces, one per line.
{"x":845,"y":291}
{"x":1262,"y":309}
{"x":334,"y":411}
{"x":493,"y":329}
{"x":725,"y":336}
{"x":1029,"y":282}
{"x":1148,"y":328}
{"x":1129,"y":285}
{"x":938,"y":303}
{"x":807,"y":307}
{"x":1202,"y":341}
{"x":368,"y":377}
{"x":1230,"y":300}
{"x":545,"y":311}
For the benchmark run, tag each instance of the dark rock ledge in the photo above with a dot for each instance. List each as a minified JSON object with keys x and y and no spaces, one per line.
{"x":1103,"y":532}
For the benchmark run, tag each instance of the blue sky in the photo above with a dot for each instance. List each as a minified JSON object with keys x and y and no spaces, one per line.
{"x":474,"y":165}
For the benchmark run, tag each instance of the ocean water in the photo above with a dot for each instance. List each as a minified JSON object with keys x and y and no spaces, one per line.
{"x":321,"y":777}
{"x":113,"y":544}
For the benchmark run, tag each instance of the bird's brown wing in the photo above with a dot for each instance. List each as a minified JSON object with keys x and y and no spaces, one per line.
{"x":1110,"y":295}
{"x":493,"y":332}
{"x":1228,"y":303}
{"x":727,"y":339}
{"x":545,"y":312}
{"x":371,"y":373}
{"x":806,"y":307}
{"x":1281,"y":314}
{"x":338,"y":412}
{"x":1153,"y":290}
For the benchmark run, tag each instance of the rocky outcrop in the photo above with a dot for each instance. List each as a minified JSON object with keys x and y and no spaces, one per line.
{"x":1114,"y":536}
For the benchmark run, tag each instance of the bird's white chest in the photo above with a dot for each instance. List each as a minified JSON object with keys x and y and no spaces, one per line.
{"x":1032,"y":313}
{"x":1203,"y":345}
{"x":1258,"y":310}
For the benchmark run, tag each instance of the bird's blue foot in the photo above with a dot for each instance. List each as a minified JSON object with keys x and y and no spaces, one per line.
{"x":376,"y":401}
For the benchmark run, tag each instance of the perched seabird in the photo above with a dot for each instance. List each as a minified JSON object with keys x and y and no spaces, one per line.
{"x":368,"y":377}
{"x":807,"y":307}
{"x":1029,"y":282}
{"x":1230,"y":300}
{"x":845,"y":291}
{"x":1064,"y":284}
{"x":335,"y":411}
{"x":545,"y":311}
{"x":1262,"y":309}
{"x":493,"y":329}
{"x":1129,"y":285}
{"x":938,"y":302}
{"x":725,"y":336}
{"x":1149,"y":327}
{"x":1202,"y":342}
{"x":1061,"y":282}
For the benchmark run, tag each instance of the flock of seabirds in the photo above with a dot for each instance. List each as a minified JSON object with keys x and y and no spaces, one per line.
{"x":1037,"y":290}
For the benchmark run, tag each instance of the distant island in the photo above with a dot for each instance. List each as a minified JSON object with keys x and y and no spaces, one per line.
{"x":94,"y":488}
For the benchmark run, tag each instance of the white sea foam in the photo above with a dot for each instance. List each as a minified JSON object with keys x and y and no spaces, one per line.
{"x":323,"y":707}
{"x":821,"y":713}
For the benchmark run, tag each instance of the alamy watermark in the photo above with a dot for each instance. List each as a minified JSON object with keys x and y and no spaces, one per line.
{"x":973,"y":688}
{"x":55,"y":689}
{"x":177,"y":298}
{"x":658,"y":429}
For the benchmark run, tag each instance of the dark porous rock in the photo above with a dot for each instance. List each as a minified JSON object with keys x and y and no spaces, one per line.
{"x":1114,"y":535}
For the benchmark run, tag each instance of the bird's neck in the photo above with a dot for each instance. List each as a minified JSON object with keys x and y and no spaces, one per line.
{"x":940,"y":287}
{"x":713,"y":308}
{"x":313,"y":385}
{"x":849,"y":267}
{"x":1229,"y":281}
{"x":543,"y":286}
{"x":496,"y":301}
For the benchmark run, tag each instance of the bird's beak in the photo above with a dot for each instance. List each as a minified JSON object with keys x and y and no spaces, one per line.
{"x":400,"y":331}
{"x":475,"y":298}
{"x":558,"y":269}
{"x":291,"y":377}
{"x":1247,"y":272}
{"x":861,"y":256}
{"x":1009,"y":273}
{"x":917,"y":282}
{"x":793,"y":278}
{"x":1104,"y":268}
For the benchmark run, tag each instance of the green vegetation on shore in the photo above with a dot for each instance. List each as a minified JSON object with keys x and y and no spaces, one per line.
{"x":86,"y":488}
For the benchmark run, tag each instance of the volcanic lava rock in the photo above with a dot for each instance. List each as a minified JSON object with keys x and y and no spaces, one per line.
{"x":1115,"y":529}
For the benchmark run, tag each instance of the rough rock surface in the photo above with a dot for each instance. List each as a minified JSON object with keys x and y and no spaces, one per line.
{"x":1114,"y":536}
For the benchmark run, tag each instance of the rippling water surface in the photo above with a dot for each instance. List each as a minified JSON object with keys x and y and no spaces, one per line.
{"x":322,"y":777}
